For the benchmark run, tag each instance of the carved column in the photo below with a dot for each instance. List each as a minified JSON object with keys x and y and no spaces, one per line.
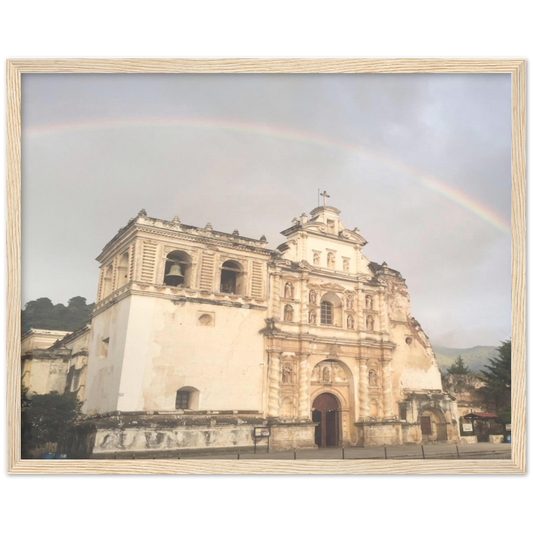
{"x":273,"y":385}
{"x":384,"y":326}
{"x":356,"y":388}
{"x":275,"y":295}
{"x":357,"y":258}
{"x":361,"y":326}
{"x":303,"y":388}
{"x":303,"y":248}
{"x":387,"y":390}
{"x":304,"y":299}
{"x":363,"y":389}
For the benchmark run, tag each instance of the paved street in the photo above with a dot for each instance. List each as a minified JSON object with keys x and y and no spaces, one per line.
{"x":431,"y":451}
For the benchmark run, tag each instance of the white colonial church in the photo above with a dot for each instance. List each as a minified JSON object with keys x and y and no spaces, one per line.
{"x":201,"y":340}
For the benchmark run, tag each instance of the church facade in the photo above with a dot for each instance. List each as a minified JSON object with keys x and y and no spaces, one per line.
{"x":203,"y":340}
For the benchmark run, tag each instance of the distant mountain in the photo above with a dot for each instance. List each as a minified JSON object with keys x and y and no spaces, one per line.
{"x":476,"y":358}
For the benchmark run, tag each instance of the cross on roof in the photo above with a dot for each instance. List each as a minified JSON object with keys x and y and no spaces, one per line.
{"x":325,"y":195}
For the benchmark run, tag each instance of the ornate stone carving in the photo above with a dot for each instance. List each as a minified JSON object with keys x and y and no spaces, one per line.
{"x":286,"y":373}
{"x":273,"y":390}
{"x":303,"y":391}
{"x":329,"y":372}
{"x":289,"y":290}
{"x":350,"y":322}
{"x":288,"y":313}
{"x":312,"y":297}
{"x":334,"y":350}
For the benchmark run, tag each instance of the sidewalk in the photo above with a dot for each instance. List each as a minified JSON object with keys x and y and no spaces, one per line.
{"x":412,"y":451}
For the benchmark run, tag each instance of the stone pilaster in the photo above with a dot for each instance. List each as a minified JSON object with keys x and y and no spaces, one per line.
{"x":387,"y":390}
{"x":361,"y":326}
{"x":273,"y":383}
{"x":383,"y":315}
{"x":275,"y":297}
{"x":303,"y":388}
{"x":363,"y":389}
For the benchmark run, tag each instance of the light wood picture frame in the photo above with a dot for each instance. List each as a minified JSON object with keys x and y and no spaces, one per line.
{"x":514,"y":67}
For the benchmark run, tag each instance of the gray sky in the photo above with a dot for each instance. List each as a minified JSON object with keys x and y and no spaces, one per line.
{"x":421,"y":164}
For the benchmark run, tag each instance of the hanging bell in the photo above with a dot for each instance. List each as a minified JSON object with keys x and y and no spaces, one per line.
{"x":175,"y":273}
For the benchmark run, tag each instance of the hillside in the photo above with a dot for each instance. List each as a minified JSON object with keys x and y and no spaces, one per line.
{"x":43,"y":314}
{"x":476,"y":357}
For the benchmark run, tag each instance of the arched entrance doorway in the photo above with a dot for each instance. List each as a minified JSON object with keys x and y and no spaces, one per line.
{"x":326,"y":413}
{"x":433,"y":425}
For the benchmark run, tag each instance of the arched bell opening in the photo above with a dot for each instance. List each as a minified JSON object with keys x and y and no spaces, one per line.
{"x":178,"y":269}
{"x":232,"y":278}
{"x":122,"y":270}
{"x":107,"y":286}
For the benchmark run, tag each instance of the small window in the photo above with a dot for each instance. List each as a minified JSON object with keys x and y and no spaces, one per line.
{"x":402,"y":408}
{"x":182,"y":399}
{"x":326,"y":313}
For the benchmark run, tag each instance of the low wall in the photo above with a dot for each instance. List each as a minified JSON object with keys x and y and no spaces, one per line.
{"x":163,"y":434}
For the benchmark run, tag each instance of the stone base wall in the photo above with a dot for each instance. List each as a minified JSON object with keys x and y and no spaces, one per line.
{"x":298,"y":435}
{"x":472,"y":439}
{"x":379,"y":433}
{"x":164,"y":435}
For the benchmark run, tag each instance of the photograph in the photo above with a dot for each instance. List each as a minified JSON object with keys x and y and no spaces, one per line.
{"x":228,"y":266}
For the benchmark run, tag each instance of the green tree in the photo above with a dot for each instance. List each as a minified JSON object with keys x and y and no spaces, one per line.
{"x":497,"y":377}
{"x":48,"y":419}
{"x":42,"y":313}
{"x":459,"y":367}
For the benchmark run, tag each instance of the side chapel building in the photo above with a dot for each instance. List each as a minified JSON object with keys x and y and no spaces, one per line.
{"x":199,"y":336}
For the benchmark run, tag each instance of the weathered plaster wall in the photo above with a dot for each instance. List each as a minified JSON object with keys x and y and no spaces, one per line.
{"x":169,"y":346}
{"x":46,"y":374}
{"x":414,"y":365}
{"x":106,"y":358}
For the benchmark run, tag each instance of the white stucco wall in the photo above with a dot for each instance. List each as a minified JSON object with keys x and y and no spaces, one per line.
{"x":103,"y":373}
{"x":168,"y":348}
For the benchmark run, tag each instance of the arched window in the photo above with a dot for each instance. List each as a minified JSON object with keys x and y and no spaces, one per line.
{"x":178,"y":269}
{"x":331,"y":310}
{"x":232,"y":278}
{"x":187,"y":398}
{"x":326,"y":312}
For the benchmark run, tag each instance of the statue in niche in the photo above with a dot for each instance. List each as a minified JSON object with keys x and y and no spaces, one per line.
{"x":316,"y":258}
{"x":286,"y":374}
{"x":349,"y":302}
{"x":326,"y":374}
{"x":350,"y":322}
{"x":312,"y":317}
{"x":369,"y":323}
{"x":289,"y":290}
{"x":312,"y":297}
{"x":288,"y":313}
{"x":369,"y":301}
{"x":331,"y":260}
{"x":346,"y":265}
{"x":372,"y":378}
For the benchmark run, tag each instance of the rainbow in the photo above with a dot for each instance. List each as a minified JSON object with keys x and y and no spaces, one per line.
{"x":453,"y":194}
